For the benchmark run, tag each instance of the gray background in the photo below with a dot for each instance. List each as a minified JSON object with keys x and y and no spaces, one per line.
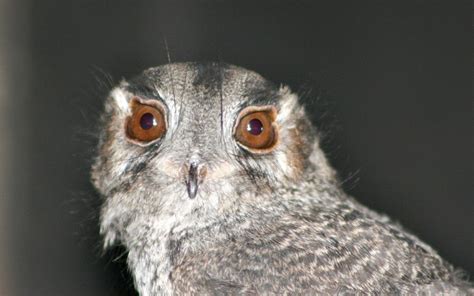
{"x":395,"y":104}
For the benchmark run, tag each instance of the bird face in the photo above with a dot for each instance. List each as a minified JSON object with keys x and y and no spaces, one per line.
{"x":188,"y":140}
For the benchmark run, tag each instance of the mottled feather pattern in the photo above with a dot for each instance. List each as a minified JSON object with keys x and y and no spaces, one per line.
{"x":271,"y":224}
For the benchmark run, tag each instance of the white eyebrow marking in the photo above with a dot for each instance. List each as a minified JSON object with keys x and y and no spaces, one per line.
{"x":288,"y":104}
{"x":120,"y":99}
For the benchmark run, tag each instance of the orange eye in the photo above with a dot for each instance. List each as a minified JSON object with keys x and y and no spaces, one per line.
{"x":147,"y":122}
{"x":256,"y":129}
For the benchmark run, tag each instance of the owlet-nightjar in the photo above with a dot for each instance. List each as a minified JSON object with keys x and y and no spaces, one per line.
{"x":214,"y":181}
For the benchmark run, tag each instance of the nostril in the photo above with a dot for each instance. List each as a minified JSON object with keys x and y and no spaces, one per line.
{"x":202,"y":172}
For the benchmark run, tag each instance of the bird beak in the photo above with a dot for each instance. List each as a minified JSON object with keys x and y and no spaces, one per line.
{"x":194,"y":178}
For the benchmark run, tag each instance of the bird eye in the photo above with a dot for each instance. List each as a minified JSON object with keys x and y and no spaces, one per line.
{"x":256,"y":129}
{"x":147,"y":122}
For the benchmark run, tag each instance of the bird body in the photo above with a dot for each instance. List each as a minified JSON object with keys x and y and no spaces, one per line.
{"x":214,"y":181}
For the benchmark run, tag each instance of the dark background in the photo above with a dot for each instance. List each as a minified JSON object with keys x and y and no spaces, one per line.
{"x":388,"y":82}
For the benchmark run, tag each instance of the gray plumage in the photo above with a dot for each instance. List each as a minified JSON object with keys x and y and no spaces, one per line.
{"x":260,"y":224}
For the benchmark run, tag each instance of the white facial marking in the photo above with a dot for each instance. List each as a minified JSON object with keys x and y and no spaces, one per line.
{"x":120,"y":98}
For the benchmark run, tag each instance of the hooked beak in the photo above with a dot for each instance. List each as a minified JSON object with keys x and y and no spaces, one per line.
{"x":194,"y":178}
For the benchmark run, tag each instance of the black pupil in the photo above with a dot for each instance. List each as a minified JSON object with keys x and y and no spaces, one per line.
{"x":255,"y":127}
{"x":147,"y":121}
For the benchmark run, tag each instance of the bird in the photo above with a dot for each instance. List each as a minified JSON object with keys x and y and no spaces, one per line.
{"x":214,"y":181}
